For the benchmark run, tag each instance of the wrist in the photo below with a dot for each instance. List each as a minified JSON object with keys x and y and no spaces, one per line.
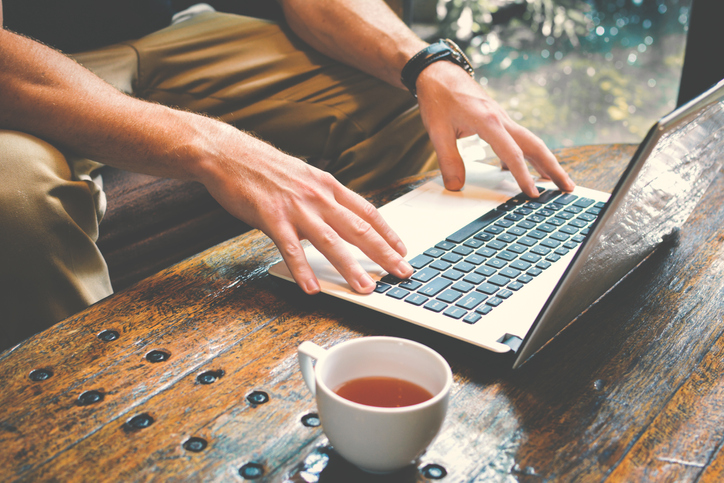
{"x":444,"y":50}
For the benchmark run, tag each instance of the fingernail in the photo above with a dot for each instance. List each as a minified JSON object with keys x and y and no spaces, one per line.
{"x":404,"y":268}
{"x":366,"y":282}
{"x":310,"y":286}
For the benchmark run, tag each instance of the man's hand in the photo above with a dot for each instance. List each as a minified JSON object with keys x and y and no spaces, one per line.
{"x":454,"y":106}
{"x":292,"y":201}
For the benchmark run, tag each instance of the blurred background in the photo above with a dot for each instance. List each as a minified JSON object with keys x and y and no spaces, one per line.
{"x":574,"y":72}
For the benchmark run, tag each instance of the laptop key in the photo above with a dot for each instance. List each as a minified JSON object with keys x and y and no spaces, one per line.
{"x":472,"y":317}
{"x":584,"y":202}
{"x":566,"y":198}
{"x":471,"y":301}
{"x":416,"y":299}
{"x":506,"y":255}
{"x":440,"y":265}
{"x":397,"y":293}
{"x":445,"y":245}
{"x":494,"y":301}
{"x":520,"y":265}
{"x":382,"y":287}
{"x":475,"y":259}
{"x":509,"y":272}
{"x":515,"y":285}
{"x":486,"y":252}
{"x":410,"y":285}
{"x":425,"y":275}
{"x":390,"y":279}
{"x":499,"y":280}
{"x":435,"y":287}
{"x":435,"y":305}
{"x":496,"y":263}
{"x":463,"y":250}
{"x":487,"y":288}
{"x":455,"y":312}
{"x":485,"y":271}
{"x":473,"y":278}
{"x":530,"y":257}
{"x":483,"y":309}
{"x":463,"y":286}
{"x":434,"y":252}
{"x":449,"y":296}
{"x":504,"y":294}
{"x":472,"y":228}
{"x":452,"y":257}
{"x":464,"y":267}
{"x":453,"y":274}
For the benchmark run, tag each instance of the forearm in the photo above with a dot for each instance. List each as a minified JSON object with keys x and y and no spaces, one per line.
{"x":365,"y":34}
{"x":48,"y":95}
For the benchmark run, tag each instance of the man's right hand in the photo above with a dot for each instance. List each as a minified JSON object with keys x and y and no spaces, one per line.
{"x":291,"y":201}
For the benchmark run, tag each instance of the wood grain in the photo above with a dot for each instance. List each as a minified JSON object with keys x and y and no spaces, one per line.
{"x":631,"y":392}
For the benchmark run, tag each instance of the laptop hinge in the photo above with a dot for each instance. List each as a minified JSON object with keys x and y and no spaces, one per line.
{"x":512,"y":341}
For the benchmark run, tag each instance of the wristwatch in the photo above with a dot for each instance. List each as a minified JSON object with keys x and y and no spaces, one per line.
{"x":444,"y":49}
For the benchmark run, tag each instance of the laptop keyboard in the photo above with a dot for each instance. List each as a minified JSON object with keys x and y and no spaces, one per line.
{"x":489,"y":261}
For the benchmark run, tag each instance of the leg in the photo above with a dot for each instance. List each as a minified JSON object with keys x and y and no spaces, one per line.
{"x":51,"y":267}
{"x":257,"y":75}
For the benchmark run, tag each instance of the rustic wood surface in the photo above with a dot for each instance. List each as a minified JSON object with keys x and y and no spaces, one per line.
{"x":632,"y":391}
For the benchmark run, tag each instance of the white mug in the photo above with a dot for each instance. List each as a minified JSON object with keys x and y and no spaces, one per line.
{"x":377,"y":439}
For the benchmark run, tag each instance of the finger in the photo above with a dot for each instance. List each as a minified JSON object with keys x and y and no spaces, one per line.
{"x":293,"y":254}
{"x":511,"y":156}
{"x":367,"y":212}
{"x":331,"y":245}
{"x":444,"y":141}
{"x":541,"y":158}
{"x":357,"y":231}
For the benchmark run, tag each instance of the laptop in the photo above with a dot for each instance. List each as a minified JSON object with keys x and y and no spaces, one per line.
{"x":506,"y":273}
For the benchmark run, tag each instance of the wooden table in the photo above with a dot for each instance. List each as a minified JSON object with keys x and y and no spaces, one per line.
{"x":191,"y":375}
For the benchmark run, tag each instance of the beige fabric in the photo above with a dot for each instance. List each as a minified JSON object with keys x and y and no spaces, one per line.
{"x":259,"y":77}
{"x":51,"y":266}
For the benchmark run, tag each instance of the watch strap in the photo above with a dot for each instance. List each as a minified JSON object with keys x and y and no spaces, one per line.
{"x":444,"y":49}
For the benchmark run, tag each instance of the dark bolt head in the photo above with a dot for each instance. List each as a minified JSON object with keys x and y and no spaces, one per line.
{"x":108,"y":335}
{"x":195,"y":444}
{"x":433,"y":472}
{"x":258,"y":397}
{"x":89,"y":397}
{"x":251,"y":471}
{"x":38,"y":375}
{"x":311,"y":420}
{"x":157,"y":356}
{"x":209,"y":377}
{"x":137,"y":422}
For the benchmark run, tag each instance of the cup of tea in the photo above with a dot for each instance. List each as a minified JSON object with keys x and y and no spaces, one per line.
{"x":381,"y":400}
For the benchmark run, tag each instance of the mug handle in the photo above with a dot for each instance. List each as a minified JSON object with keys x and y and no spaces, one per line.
{"x":307,"y":352}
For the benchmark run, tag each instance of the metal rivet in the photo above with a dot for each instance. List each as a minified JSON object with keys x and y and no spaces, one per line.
{"x":89,"y":397}
{"x":157,"y":356}
{"x":258,"y":397}
{"x":251,"y":471}
{"x":209,"y":377}
{"x":140,"y":421}
{"x":598,"y":385}
{"x":108,"y":335}
{"x":40,"y":375}
{"x":195,"y":444}
{"x":311,"y":420}
{"x":434,"y":472}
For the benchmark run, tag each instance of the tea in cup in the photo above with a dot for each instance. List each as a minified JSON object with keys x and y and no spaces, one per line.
{"x":381,"y":400}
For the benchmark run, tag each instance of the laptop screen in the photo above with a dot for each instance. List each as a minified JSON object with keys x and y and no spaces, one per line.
{"x":668,"y":175}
